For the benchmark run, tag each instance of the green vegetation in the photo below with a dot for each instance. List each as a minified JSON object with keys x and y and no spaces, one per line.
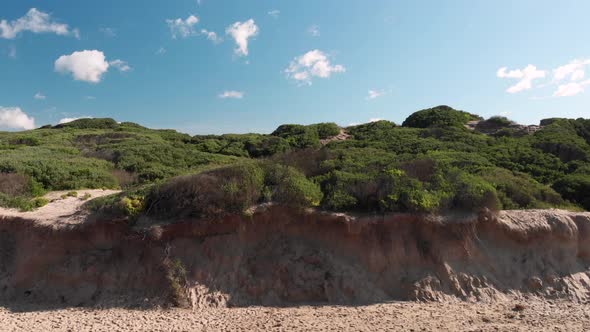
{"x":440,"y":116}
{"x":432,"y":163}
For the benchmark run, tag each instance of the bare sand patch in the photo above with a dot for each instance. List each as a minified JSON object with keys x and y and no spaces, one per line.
{"x":59,"y":211}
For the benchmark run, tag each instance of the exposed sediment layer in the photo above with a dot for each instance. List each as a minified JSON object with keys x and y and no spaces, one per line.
{"x":277,"y":256}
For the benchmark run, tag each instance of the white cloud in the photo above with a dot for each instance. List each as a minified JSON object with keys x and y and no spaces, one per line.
{"x":183,"y":28}
{"x":525,"y":76}
{"x":87,"y":66}
{"x":241,"y":32}
{"x":274,"y":13}
{"x":15,"y":118}
{"x":312,"y":64}
{"x":35,"y":21}
{"x":186,"y":28}
{"x":570,"y":89}
{"x":373,"y":94}
{"x":161,"y":51}
{"x":40,"y":96}
{"x":575,"y":70}
{"x":66,"y":120}
{"x":121,"y":65}
{"x":90,"y":97}
{"x":212,"y":36}
{"x":231,"y":94}
{"x":314,"y":30}
{"x":370,"y":120}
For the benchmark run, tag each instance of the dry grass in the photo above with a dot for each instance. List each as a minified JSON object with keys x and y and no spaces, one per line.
{"x":14,"y":184}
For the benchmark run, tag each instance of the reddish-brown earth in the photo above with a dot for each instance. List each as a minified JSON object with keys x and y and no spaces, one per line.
{"x":281,"y":257}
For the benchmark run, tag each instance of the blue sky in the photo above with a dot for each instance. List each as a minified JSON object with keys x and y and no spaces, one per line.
{"x":157,"y":63}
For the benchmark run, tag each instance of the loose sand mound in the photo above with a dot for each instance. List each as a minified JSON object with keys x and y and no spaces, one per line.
{"x":280,"y":257}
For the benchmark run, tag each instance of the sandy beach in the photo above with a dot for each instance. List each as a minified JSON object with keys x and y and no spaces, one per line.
{"x":535,"y":315}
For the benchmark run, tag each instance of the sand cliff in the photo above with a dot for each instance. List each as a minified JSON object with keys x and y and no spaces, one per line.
{"x":280,"y":257}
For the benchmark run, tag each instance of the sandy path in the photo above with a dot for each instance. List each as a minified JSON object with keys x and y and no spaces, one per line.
{"x":59,"y":210}
{"x":537,"y":316}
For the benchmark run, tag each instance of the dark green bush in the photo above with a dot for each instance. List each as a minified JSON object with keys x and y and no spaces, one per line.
{"x":576,"y":188}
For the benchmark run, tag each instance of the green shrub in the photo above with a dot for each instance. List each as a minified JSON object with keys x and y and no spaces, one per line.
{"x":209,"y":194}
{"x":473,"y":193}
{"x":22,"y":203}
{"x":440,"y":116}
{"x":519,"y":191}
{"x":298,"y":136}
{"x":288,"y":186}
{"x":132,"y":205}
{"x":575,"y":188}
{"x":326,"y":130}
{"x":89,"y":124}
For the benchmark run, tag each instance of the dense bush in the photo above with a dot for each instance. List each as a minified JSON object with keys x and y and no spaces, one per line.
{"x":298,"y":136}
{"x":288,"y":186}
{"x":208,"y":194}
{"x":431,"y":164}
{"x":576,"y":188}
{"x":326,"y":130}
{"x":440,"y":116}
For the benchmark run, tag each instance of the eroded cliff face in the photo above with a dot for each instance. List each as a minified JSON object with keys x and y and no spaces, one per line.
{"x":278,"y":256}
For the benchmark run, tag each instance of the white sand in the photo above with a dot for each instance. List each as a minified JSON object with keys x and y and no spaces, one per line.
{"x":59,"y":211}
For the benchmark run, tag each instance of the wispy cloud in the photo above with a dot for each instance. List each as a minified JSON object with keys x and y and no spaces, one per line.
{"x":187,"y":28}
{"x":161,"y":51}
{"x":571,"y":89}
{"x":312,"y":64}
{"x":231,"y":94}
{"x":35,"y":21}
{"x":370,"y":121}
{"x":374,"y":94}
{"x":567,"y":78}
{"x":274,"y":13}
{"x":525,"y":77}
{"x":575,"y":70}
{"x":121,"y":65}
{"x":182,"y":28}
{"x":109,"y":32}
{"x":212,"y":36}
{"x":314,"y":30}
{"x":39,"y":96}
